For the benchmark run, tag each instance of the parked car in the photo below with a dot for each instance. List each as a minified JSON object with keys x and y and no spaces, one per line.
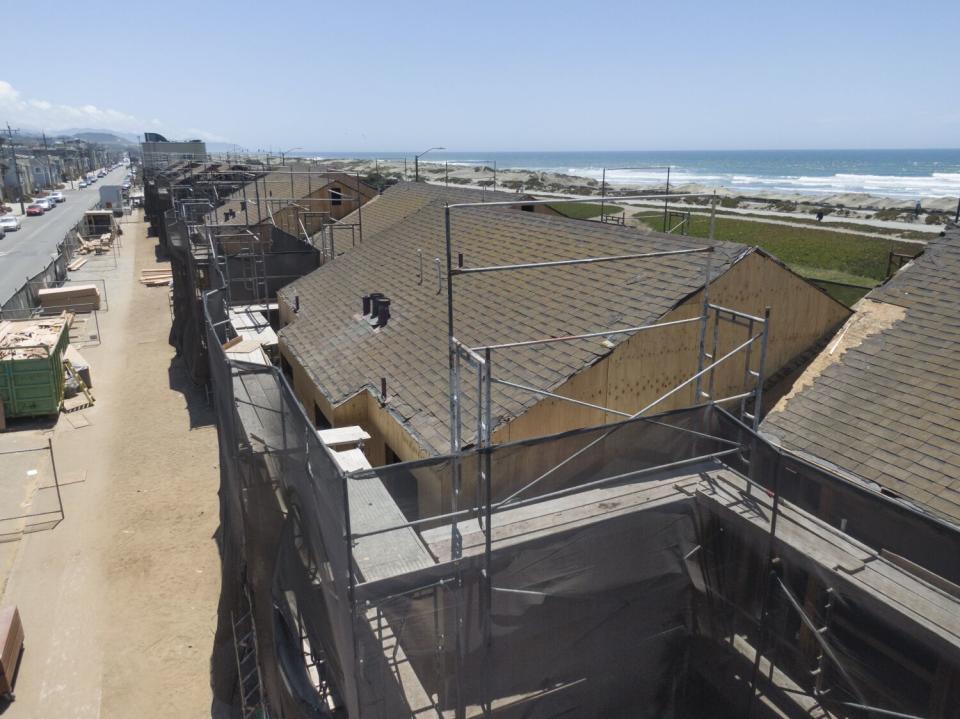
{"x":35,"y":209}
{"x":58,"y":196}
{"x":46,"y":203}
{"x":83,"y":183}
{"x":10,"y":223}
{"x":3,"y":233}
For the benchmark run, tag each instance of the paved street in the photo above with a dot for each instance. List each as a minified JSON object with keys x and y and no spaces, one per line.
{"x":27,"y":251}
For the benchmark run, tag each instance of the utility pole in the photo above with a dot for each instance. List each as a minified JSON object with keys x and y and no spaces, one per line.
{"x":16,"y":168}
{"x":666,"y":204}
{"x":46,"y":153}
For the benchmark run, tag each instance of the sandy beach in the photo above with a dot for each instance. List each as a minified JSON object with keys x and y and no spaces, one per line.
{"x":848,"y":205}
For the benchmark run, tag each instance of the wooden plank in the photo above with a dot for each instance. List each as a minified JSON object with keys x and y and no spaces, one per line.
{"x":580,"y":509}
{"x":252,"y":324}
{"x":244,"y":346}
{"x":11,"y":642}
{"x":255,"y":355}
{"x":339,"y":436}
{"x":351,"y":460}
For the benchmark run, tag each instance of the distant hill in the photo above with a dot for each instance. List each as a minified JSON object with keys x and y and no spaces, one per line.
{"x":104,"y":137}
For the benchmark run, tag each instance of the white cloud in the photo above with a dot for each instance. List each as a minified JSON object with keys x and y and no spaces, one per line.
{"x":7,"y":92}
{"x":42,"y":114}
{"x":36,"y":114}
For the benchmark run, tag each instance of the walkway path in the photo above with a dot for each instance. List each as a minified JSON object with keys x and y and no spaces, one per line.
{"x":119,"y":601}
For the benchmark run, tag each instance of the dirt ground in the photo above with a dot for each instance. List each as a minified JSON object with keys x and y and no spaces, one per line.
{"x":119,"y":600}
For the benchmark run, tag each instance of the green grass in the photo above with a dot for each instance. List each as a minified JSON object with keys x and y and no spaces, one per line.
{"x":819,"y":255}
{"x":585,"y":210}
{"x":894,"y":233}
{"x":844,"y":295}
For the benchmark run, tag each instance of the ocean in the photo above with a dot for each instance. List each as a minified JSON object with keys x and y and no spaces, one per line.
{"x":906,"y":174}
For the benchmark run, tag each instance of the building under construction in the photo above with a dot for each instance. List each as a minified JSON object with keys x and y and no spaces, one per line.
{"x":674,"y":564}
{"x":263,"y":227}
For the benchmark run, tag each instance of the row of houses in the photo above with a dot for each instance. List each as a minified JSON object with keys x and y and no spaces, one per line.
{"x":34,"y":165}
{"x":479,"y":458}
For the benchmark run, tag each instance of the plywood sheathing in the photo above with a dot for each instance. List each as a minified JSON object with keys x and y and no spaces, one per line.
{"x":336,"y":357}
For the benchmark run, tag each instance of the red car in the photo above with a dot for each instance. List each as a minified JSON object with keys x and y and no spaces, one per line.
{"x":34,"y":210}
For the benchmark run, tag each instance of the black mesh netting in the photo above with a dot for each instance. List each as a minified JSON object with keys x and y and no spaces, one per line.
{"x":620,"y":583}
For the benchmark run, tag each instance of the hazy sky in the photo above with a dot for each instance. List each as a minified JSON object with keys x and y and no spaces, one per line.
{"x":379,"y":76}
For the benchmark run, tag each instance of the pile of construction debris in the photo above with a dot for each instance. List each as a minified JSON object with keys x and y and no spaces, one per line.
{"x":30,"y":339}
{"x":99,"y":246}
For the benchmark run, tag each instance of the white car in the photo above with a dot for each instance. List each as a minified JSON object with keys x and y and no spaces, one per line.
{"x":10,"y":223}
{"x":45,"y":202}
{"x":58,"y":196}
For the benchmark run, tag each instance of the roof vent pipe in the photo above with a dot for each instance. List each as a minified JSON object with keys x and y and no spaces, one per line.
{"x":375,"y":298}
{"x":383,"y":312}
{"x":296,"y":303}
{"x":366,"y":304}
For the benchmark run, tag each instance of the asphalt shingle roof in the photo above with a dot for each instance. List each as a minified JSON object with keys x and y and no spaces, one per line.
{"x":343,"y":355}
{"x":889,"y":409}
{"x":400,"y":201}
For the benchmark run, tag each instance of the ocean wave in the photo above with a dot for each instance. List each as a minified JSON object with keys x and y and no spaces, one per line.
{"x":936,"y":184}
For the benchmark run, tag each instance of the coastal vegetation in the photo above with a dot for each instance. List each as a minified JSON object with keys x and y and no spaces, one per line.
{"x":845,"y":265}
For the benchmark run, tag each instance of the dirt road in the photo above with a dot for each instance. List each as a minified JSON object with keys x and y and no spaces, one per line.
{"x":119,"y":601}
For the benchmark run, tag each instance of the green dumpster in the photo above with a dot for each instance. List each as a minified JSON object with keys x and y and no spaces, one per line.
{"x":31,"y":366}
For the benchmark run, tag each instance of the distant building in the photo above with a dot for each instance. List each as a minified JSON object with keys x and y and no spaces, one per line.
{"x":26,"y":166}
{"x":159,"y":152}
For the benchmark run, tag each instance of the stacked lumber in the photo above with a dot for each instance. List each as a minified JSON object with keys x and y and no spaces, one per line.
{"x":156,"y":278}
{"x":77,"y":264}
{"x":76,"y":298}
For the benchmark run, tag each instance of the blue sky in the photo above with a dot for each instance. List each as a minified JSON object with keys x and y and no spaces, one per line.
{"x":379,"y":76}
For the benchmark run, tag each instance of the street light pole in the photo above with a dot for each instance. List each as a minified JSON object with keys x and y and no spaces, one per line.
{"x":416,"y":162}
{"x":283,"y":154}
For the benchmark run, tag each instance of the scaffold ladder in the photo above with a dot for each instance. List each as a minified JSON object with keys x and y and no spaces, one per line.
{"x":248,"y":667}
{"x":750,"y":397}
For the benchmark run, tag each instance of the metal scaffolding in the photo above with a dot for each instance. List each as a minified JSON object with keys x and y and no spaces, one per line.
{"x":481,"y":358}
